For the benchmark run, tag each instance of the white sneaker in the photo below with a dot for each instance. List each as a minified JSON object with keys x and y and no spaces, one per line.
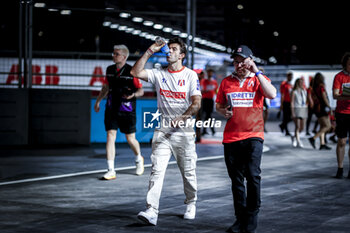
{"x":190,"y":212}
{"x":294,"y":142}
{"x":300,"y":144}
{"x":148,"y":216}
{"x":110,"y":175}
{"x":139,"y":167}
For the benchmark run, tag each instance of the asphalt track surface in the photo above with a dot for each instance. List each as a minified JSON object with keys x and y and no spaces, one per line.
{"x":58,"y":190}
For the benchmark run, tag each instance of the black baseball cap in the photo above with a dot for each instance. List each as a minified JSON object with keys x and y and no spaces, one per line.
{"x":243,"y":51}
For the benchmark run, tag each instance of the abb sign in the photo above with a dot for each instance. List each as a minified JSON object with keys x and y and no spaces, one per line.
{"x":51,"y":75}
{"x":83,"y":73}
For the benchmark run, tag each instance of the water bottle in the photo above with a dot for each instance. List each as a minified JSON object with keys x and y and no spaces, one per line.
{"x":165,"y":48}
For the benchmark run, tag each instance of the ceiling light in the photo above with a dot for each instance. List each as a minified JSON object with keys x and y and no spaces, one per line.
{"x":148,"y":23}
{"x":52,"y":9}
{"x":128,"y":30}
{"x":275,"y":33}
{"x":167,"y":29}
{"x":66,"y":12}
{"x":183,"y":35}
{"x":143,"y":34}
{"x":122,"y":28}
{"x":114,"y":26}
{"x":136,"y":32}
{"x":107,"y":23}
{"x":261,"y":22}
{"x":39,"y":4}
{"x":197,"y":39}
{"x":157,"y":26}
{"x":109,"y":8}
{"x":203,"y":42}
{"x":137,"y":19}
{"x":124,"y":15}
{"x":272,"y":59}
{"x":240,"y":7}
{"x":176,"y":32}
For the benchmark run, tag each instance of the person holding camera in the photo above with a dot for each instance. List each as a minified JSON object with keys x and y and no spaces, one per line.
{"x":121,"y":90}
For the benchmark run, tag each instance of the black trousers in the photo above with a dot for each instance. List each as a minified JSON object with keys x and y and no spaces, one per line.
{"x":243,"y":159}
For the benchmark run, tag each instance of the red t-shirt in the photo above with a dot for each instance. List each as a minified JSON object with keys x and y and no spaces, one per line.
{"x":343,"y":106}
{"x":286,"y":89}
{"x":247,"y":102}
{"x":209,"y":88}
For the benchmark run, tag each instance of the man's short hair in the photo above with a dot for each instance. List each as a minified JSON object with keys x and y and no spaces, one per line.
{"x":178,"y":40}
{"x":345,"y":59}
{"x":123,"y":48}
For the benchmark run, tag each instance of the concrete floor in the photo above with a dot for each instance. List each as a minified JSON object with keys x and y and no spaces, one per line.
{"x":299,"y":193}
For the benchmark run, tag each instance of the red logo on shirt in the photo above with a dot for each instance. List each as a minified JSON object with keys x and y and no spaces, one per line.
{"x":181,"y":82}
{"x":172,"y":94}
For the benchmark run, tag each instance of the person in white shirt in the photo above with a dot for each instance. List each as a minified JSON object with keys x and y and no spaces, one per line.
{"x":178,"y":98}
{"x":299,"y":110}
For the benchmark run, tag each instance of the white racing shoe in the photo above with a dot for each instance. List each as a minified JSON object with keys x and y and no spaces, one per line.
{"x":190,"y":212}
{"x":148,"y":216}
{"x":110,"y":175}
{"x":140,"y":167}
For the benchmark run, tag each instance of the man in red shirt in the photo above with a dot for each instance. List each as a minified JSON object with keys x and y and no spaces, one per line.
{"x":286,"y":89}
{"x":341,"y":92}
{"x":240,"y":99}
{"x":209,"y":87}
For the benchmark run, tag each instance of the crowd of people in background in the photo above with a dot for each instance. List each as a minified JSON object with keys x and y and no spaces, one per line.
{"x":299,"y":104}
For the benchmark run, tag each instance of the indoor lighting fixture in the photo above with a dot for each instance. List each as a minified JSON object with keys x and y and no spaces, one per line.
{"x":107,"y":23}
{"x":143,"y":34}
{"x":176,"y":32}
{"x":122,"y":28}
{"x":129,"y":30}
{"x":148,"y":23}
{"x":39,"y":4}
{"x":137,"y":19}
{"x":136,"y":32}
{"x":66,"y":12}
{"x":114,"y":26}
{"x":183,"y":35}
{"x":167,"y":29}
{"x":124,"y":15}
{"x":157,"y":26}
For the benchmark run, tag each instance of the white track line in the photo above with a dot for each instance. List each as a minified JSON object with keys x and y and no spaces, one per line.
{"x":94,"y":172}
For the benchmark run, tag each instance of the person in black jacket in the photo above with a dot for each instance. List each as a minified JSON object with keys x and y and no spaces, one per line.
{"x":121,"y":90}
